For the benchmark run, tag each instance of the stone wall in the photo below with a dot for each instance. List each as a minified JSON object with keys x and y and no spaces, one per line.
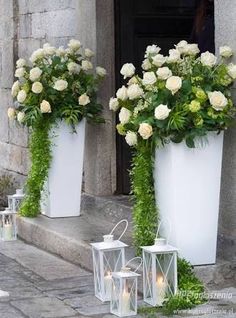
{"x":24,"y":26}
{"x":225,"y":29}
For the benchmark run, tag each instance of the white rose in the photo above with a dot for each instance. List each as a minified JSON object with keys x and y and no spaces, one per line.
{"x":113,"y":104}
{"x":84,"y":100}
{"x":60,"y":51}
{"x":37,"y":87}
{"x":37,"y":55}
{"x":20,"y":63}
{"x":152,"y":49}
{"x":20,"y":117}
{"x":100,"y":71}
{"x":45,"y":107}
{"x":174,"y":83}
{"x":145,"y":130}
{"x":149,"y":78}
{"x":48,"y":49}
{"x":131,"y":138}
{"x":74,"y":44}
{"x":174,"y":56}
{"x":158,"y":60}
{"x":191,"y":49}
{"x":217,"y":100}
{"x":134,"y":91}
{"x":73,"y":68}
{"x":122,"y":93}
{"x":88,"y":53}
{"x":86,"y":65}
{"x":35,"y":73}
{"x":226,"y":51}
{"x":11,"y":113}
{"x":124,"y":115}
{"x":60,"y":85}
{"x":232,"y":70}
{"x":146,"y":65}
{"x":15,"y":88}
{"x":181,"y":46}
{"x":163,"y":73}
{"x":208,"y":59}
{"x":162,"y":112}
{"x":133,"y":80}
{"x":127,"y":70}
{"x":20,"y":72}
{"x":21,"y":96}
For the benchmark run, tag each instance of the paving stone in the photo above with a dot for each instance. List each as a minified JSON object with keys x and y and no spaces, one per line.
{"x":74,"y":282}
{"x":88,"y":305}
{"x":7,"y":311}
{"x":44,"y":307}
{"x":50,"y":267}
{"x":71,"y":293}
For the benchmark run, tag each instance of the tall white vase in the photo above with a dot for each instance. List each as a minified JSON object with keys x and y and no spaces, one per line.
{"x":187,"y":187}
{"x":62,"y":192}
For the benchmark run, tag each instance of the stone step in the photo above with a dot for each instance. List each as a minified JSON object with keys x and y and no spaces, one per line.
{"x":70,"y":238}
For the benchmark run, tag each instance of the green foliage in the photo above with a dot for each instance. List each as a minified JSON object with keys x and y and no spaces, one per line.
{"x":142,"y":183}
{"x":40,"y":150}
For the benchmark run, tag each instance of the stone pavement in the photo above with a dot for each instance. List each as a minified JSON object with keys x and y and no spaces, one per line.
{"x":42,"y":285}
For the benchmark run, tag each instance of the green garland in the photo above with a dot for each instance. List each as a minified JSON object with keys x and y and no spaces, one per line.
{"x":145,"y":216}
{"x":142,"y":188}
{"x":41,"y":156}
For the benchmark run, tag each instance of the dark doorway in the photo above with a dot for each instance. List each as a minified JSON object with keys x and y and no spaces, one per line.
{"x":138,"y":24}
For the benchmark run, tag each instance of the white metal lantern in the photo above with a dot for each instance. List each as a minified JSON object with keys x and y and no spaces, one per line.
{"x":14,"y":201}
{"x":8,"y":225}
{"x":124,"y":292}
{"x":108,"y":257}
{"x":159,"y":271}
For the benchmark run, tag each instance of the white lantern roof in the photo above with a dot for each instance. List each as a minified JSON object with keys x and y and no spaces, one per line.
{"x":125,"y":274}
{"x":160,"y":247}
{"x":108,"y":245}
{"x":7,"y":211}
{"x":18,"y":195}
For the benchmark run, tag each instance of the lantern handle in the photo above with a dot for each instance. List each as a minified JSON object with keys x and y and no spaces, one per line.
{"x":159,"y":227}
{"x":126,"y":226}
{"x":131,"y":260}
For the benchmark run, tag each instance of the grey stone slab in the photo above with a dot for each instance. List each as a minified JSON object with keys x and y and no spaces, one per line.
{"x":43,"y":307}
{"x":88,"y":305}
{"x":7,"y":311}
{"x":69,"y":283}
{"x":66,"y":293}
{"x":50,"y":267}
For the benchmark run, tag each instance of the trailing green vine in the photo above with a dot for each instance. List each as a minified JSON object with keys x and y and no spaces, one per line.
{"x":142,"y":188}
{"x":41,"y":156}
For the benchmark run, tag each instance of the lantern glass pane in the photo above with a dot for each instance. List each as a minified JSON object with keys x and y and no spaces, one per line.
{"x":10,"y":202}
{"x":165,"y":276}
{"x":148,"y":277}
{"x":9,"y":232}
{"x":124,"y":296}
{"x":97,"y":273}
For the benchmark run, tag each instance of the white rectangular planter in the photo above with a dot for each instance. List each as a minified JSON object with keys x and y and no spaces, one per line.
{"x":62,"y":193}
{"x":187,"y":186}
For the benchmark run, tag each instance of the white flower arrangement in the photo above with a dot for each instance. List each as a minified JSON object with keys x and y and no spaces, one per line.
{"x":179,"y":97}
{"x":60,"y":82}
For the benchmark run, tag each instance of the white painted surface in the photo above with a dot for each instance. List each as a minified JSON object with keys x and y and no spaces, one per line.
{"x":187,"y":192}
{"x":62,"y":194}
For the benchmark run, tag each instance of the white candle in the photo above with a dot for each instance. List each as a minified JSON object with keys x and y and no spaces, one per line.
{"x":108,"y":284}
{"x":7,"y":232}
{"x":161,"y":290}
{"x":125,"y":303}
